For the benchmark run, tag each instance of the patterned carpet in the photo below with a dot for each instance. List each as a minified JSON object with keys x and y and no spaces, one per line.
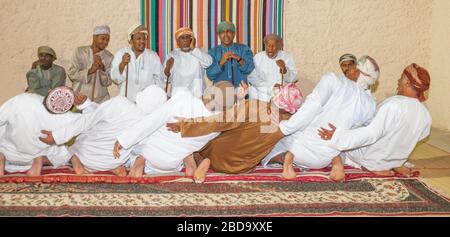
{"x":261,"y":193}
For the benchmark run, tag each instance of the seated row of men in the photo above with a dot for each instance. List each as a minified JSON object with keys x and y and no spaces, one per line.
{"x":93,"y":68}
{"x":224,"y":131}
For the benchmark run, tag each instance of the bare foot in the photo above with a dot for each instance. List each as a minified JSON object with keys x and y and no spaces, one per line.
{"x":78,"y":167}
{"x":406,"y":172}
{"x":2,"y":164}
{"x":337,"y":170}
{"x":190,"y":165}
{"x":137,"y":170}
{"x":202,"y":170}
{"x":120,"y":171}
{"x":384,"y":173}
{"x":36,"y":167}
{"x":288,"y":167}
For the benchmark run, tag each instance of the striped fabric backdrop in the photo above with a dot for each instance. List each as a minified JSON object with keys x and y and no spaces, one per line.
{"x":253,"y":19}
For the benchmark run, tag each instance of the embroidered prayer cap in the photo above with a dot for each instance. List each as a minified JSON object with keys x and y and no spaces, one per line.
{"x":102,"y":30}
{"x":59,"y":100}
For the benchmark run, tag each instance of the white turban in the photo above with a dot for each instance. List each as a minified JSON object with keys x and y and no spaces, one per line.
{"x":137,"y":28}
{"x":150,"y":99}
{"x":370,"y":72}
{"x":102,"y":30}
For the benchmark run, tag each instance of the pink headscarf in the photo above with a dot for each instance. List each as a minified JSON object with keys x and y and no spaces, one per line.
{"x":288,"y":97}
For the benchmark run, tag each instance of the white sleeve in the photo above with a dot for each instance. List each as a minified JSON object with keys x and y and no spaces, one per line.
{"x":116,"y":76}
{"x":204,"y":58}
{"x":312,"y":106}
{"x":82,"y":124}
{"x":88,"y":106}
{"x":386,"y":117}
{"x":147,"y":125}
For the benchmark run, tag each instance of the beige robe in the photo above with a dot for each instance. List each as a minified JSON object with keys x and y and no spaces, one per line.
{"x":82,"y":82}
{"x":247,"y":137}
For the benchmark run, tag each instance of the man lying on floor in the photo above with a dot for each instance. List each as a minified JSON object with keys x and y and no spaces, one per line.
{"x":335,"y":98}
{"x":385,"y":144}
{"x":98,"y":128}
{"x":248,"y":134}
{"x":158,"y":150}
{"x":22,"y":118}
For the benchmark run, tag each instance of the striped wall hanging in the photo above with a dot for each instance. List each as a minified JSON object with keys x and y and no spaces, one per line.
{"x":253,"y":19}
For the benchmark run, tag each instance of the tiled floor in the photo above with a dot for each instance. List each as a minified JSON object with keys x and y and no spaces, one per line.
{"x":432,"y":159}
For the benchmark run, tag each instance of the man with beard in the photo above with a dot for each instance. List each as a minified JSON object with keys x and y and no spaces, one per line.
{"x":185,"y":66}
{"x":272,"y":66}
{"x":383,"y":146}
{"x":232,"y":62}
{"x":140,"y":65}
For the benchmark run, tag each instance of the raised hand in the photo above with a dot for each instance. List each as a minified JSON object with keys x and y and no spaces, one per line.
{"x":169,"y":66}
{"x":79,"y":99}
{"x":282,"y":65}
{"x":126,"y":58}
{"x":193,"y":43}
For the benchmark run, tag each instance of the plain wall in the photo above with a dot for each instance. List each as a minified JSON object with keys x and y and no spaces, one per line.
{"x":394,"y":32}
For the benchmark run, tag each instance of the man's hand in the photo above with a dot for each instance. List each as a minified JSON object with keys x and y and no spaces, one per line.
{"x":173,"y":127}
{"x":126,"y":58}
{"x":49,"y":140}
{"x":225,"y":57}
{"x":79,"y":99}
{"x":169,"y":66}
{"x":193,"y":43}
{"x":282,"y":65}
{"x":242,"y":91}
{"x":116,"y":151}
{"x":326,"y":134}
{"x":35,"y":64}
{"x":99,"y":62}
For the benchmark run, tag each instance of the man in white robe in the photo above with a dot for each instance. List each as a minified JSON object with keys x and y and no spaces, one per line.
{"x":22,"y":118}
{"x":385,"y":144}
{"x":143,"y":65}
{"x":335,"y":99}
{"x":98,"y":127}
{"x":270,"y":65}
{"x":93,"y":60}
{"x":185,"y":67}
{"x":162,"y":151}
